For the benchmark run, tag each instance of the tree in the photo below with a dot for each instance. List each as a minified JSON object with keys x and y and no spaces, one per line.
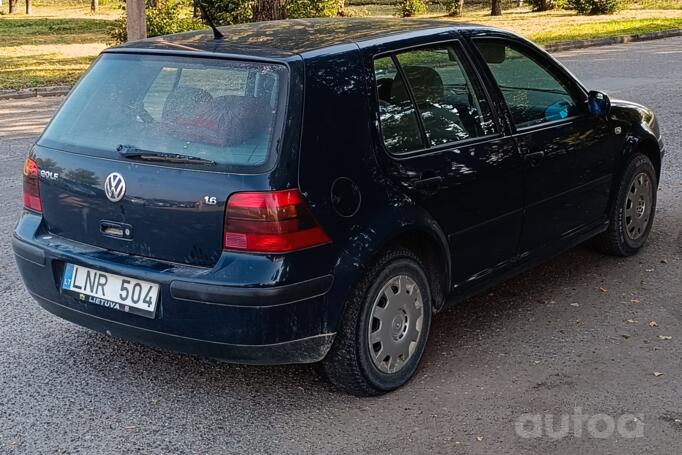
{"x":94,"y":4}
{"x":13,"y":4}
{"x":496,"y":9}
{"x":28,"y":7}
{"x":268,"y":10}
{"x":136,"y":25}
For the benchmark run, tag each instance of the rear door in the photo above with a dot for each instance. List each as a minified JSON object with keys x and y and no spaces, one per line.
{"x":569,"y":155}
{"x":144,"y":153}
{"x":449,"y":152}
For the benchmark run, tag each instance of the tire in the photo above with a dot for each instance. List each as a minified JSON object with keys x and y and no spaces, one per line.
{"x":633,"y":209}
{"x":362,"y":368}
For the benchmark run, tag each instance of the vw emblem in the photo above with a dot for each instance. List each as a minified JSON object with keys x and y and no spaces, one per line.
{"x":115,"y":187}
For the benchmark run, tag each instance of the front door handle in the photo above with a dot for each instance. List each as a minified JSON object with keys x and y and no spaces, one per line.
{"x":429,"y":182}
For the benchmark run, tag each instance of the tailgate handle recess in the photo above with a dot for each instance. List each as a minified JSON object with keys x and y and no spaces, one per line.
{"x":117,"y":230}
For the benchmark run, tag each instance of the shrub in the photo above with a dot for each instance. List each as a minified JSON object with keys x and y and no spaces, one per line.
{"x":355,"y":12}
{"x":546,"y":5}
{"x":411,"y":8}
{"x":453,"y":7}
{"x":228,"y":12}
{"x":294,"y":9}
{"x":170,"y":16}
{"x":592,"y":7}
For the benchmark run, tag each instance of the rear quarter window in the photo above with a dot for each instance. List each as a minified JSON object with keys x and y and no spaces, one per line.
{"x":220,"y":110}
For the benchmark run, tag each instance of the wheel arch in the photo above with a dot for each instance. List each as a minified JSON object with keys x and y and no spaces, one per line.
{"x":639,"y":141}
{"x":435,"y":256}
{"x":649,"y":147}
{"x":411,"y":228}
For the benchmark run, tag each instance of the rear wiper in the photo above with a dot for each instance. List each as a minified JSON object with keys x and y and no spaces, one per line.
{"x":129,"y":151}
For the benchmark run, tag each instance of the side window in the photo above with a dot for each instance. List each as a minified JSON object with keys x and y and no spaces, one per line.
{"x":534,"y":95}
{"x":398,"y":117}
{"x":450,"y":105}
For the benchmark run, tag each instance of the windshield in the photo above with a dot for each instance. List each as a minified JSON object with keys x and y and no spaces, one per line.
{"x":220,"y":111}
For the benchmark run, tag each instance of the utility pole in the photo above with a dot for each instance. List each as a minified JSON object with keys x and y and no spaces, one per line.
{"x":136,"y":25}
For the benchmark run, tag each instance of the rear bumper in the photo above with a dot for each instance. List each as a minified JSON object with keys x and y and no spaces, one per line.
{"x":305,"y":350}
{"x":197,"y":312}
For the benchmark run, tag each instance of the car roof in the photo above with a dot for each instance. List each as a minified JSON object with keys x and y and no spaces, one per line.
{"x":286,"y":38}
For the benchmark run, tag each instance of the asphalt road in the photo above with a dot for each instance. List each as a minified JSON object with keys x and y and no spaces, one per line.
{"x":574,"y":335}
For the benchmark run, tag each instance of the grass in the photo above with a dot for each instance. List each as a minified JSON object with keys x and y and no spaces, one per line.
{"x":57,"y":43}
{"x":53,"y":46}
{"x":605,"y":29}
{"x":558,"y":26}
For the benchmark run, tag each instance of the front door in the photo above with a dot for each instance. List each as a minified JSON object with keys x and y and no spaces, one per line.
{"x":568,"y":153}
{"x":451,"y":155}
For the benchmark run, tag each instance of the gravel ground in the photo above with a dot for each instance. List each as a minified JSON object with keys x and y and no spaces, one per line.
{"x":574,"y":335}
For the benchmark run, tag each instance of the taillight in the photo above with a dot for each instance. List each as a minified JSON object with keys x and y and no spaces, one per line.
{"x":270,"y":222}
{"x":32,"y":186}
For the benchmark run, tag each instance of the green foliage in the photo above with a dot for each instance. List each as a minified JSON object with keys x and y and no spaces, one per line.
{"x":452,"y":7}
{"x":592,"y":7}
{"x":294,"y":9}
{"x":411,"y":8}
{"x":170,"y":16}
{"x":546,"y":5}
{"x":228,"y":12}
{"x":118,"y":31}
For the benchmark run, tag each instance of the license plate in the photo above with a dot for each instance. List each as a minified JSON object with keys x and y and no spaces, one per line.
{"x":111,"y":291}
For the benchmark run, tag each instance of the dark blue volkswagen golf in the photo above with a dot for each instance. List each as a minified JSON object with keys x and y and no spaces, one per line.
{"x":316,"y":190}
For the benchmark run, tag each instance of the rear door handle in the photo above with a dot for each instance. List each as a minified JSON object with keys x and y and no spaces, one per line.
{"x":533,"y":157}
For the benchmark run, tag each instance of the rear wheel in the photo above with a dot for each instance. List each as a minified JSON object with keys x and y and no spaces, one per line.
{"x":384,"y":331}
{"x":633,"y":210}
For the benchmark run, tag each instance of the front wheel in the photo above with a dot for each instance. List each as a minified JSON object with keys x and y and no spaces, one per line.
{"x":385,"y":327}
{"x":633,"y":210}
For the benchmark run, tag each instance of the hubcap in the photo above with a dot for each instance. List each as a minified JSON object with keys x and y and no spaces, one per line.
{"x":638,"y":206}
{"x":395,"y":324}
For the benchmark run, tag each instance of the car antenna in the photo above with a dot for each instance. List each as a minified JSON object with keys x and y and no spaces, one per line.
{"x":216,"y":32}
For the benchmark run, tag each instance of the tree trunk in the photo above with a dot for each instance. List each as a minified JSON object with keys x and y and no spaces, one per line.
{"x":94,"y":4}
{"x":28,"y":7}
{"x":268,"y":10}
{"x":496,"y":9}
{"x":460,"y":8}
{"x":13,"y":4}
{"x":136,"y":24}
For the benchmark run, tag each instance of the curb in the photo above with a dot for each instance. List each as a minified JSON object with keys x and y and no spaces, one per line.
{"x":570,"y":45}
{"x":52,"y":90}
{"x":58,"y":90}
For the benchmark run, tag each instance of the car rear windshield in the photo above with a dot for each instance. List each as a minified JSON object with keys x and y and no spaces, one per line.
{"x":223,"y":111}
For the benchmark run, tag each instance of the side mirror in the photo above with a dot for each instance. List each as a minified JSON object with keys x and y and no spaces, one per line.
{"x":598,"y":104}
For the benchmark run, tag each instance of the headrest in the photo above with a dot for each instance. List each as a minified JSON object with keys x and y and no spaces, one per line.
{"x":426,"y":83}
{"x":185,"y":101}
{"x":192,"y":114}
